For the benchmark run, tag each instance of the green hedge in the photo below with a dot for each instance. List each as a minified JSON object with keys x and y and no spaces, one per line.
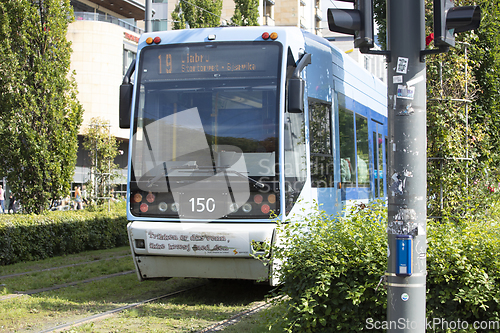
{"x":330,"y":272}
{"x":34,"y":237}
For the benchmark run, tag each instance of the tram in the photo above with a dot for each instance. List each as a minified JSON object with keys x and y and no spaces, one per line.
{"x":235,"y":128}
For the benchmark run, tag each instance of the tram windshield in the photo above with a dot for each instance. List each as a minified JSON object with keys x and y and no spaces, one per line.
{"x":205,"y":137}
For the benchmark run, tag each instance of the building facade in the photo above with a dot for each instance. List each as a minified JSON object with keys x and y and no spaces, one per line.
{"x":104,"y":39}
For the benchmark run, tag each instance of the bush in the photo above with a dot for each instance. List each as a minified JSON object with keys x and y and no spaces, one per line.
{"x":330,"y":269}
{"x":34,"y":237}
{"x":463,"y":271}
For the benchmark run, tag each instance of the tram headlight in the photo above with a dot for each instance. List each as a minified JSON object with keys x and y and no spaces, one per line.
{"x":271,"y":198}
{"x":150,"y":197}
{"x":140,"y":244}
{"x":258,"y":199}
{"x":233,"y":207}
{"x":137,"y":197}
{"x":247,"y":208}
{"x":162,"y":207}
{"x":174,"y":207}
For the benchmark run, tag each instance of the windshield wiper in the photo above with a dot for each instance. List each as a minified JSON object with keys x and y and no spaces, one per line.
{"x":191,"y":165}
{"x":229,"y":170}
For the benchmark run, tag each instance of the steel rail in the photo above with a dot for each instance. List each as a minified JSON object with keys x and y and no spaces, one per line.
{"x":103,"y":315}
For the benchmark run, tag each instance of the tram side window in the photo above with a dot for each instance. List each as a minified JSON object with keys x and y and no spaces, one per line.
{"x":321,"y":144}
{"x":363,"y":151}
{"x":295,"y":157}
{"x":347,"y":148}
{"x":354,"y":148}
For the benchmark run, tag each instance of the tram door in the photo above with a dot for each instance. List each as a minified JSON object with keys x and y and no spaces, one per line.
{"x":379,"y":160}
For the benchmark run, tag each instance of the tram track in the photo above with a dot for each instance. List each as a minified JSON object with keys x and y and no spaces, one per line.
{"x":70,"y":284}
{"x":236,"y":318}
{"x":108,"y":296}
{"x":8,"y":276}
{"x":106,"y":314}
{"x":64,"y":285}
{"x":217,"y":327}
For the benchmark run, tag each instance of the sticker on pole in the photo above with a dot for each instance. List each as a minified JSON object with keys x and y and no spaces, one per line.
{"x":397,"y":79}
{"x":405,"y":297}
{"x":402,"y":66}
{"x":405,"y":92}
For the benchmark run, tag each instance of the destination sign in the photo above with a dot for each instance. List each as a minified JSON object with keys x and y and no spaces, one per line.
{"x":200,"y":60}
{"x":169,"y":63}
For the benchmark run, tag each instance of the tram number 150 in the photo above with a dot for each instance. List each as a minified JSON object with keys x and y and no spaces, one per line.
{"x":201,"y":205}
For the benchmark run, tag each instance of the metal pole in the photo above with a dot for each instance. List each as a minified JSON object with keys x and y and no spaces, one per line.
{"x":148,"y":15}
{"x":407,"y":211}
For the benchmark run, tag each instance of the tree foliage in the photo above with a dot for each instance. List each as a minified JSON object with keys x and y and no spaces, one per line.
{"x":379,"y":14}
{"x":39,"y":112}
{"x":485,"y":64}
{"x":246,"y":13}
{"x":197,"y":14}
{"x":463,"y":131}
{"x":102,"y":148}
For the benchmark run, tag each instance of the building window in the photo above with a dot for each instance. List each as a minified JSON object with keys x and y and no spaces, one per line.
{"x":160,"y":25}
{"x":268,"y":11}
{"x":128,"y":57}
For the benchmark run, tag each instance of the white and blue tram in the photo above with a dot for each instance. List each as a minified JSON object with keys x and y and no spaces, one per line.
{"x":234,"y":128}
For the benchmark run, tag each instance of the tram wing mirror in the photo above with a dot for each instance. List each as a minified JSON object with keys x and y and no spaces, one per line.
{"x":296,"y":89}
{"x":126,"y":89}
{"x":296,"y":86}
{"x":125,"y":101}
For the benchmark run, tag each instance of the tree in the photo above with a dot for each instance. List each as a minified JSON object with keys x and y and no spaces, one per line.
{"x":39,"y":111}
{"x":246,"y":13}
{"x":463,"y":138}
{"x":197,"y":14}
{"x":102,"y":148}
{"x":485,"y":64}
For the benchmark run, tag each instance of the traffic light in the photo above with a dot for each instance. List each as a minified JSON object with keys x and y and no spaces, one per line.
{"x":357,"y":22}
{"x":449,"y":20}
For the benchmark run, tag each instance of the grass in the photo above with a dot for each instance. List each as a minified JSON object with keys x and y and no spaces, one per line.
{"x":45,"y":279}
{"x":187,"y":312}
{"x":64,"y":260}
{"x":191,"y":312}
{"x":257,"y":323}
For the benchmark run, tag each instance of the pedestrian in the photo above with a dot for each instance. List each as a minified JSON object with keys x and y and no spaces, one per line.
{"x":78,"y":197}
{"x":84,"y":195}
{"x":12,"y":202}
{"x":2,"y":198}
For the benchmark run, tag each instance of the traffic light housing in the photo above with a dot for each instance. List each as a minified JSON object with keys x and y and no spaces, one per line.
{"x":357,"y":22}
{"x":449,"y":20}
